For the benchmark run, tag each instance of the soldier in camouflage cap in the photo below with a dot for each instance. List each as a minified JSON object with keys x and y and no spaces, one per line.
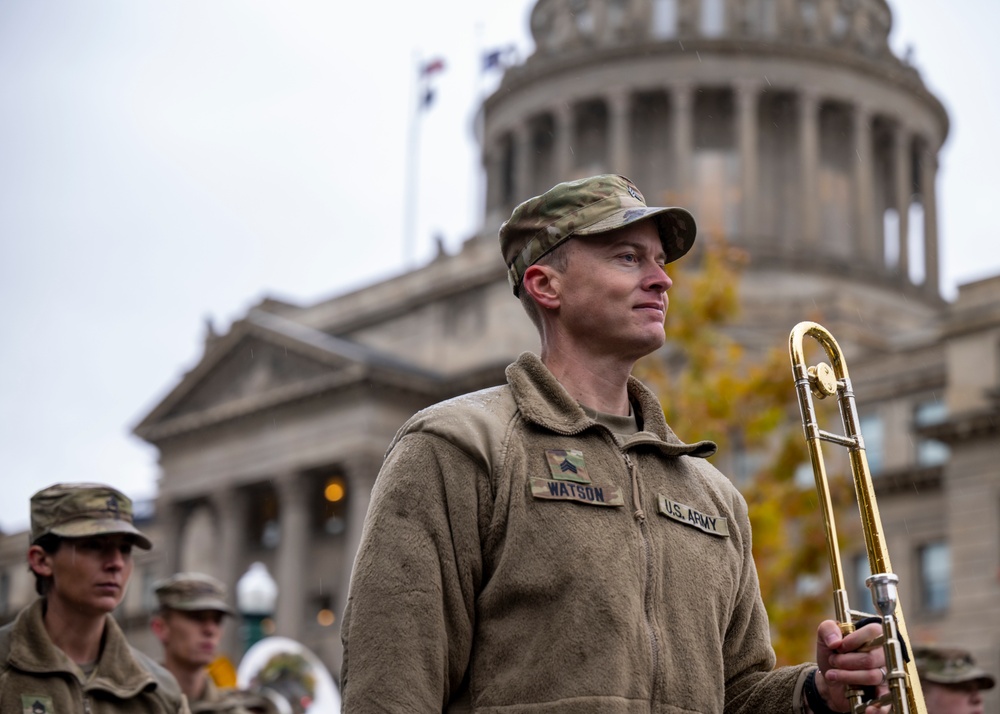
{"x":65,"y":652}
{"x":191,"y":592}
{"x":951,"y":681}
{"x":189,"y":625}
{"x":589,"y":206}
{"x":523,"y":549}
{"x":74,"y":510}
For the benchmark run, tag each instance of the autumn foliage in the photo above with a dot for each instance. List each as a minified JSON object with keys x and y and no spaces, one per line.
{"x":712,"y":388}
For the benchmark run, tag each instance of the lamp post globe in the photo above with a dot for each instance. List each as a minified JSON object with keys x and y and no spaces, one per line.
{"x":256,"y":595}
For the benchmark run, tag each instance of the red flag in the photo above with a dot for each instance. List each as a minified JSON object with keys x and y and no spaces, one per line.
{"x":432,"y":67}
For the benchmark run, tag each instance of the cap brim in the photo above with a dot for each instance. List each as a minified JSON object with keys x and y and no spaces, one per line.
{"x":204,"y":604}
{"x":108,"y":526}
{"x":676,"y":226}
{"x":983,"y":678}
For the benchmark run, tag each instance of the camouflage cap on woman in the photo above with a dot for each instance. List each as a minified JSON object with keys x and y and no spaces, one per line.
{"x":78,"y":510}
{"x":586,"y":207}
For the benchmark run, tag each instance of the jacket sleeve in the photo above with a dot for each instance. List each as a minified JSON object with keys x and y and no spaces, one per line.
{"x":752,"y":683}
{"x":408,"y":625}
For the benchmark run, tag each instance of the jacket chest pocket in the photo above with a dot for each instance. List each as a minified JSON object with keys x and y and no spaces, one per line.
{"x":699,"y":553}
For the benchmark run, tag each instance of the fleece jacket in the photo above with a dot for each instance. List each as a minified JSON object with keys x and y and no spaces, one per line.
{"x":37,"y":676}
{"x":516,"y":557}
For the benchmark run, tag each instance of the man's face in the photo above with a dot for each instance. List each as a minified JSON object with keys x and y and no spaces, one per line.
{"x":953,"y":698}
{"x":89,"y":575}
{"x":613,"y":293}
{"x":190,"y":637}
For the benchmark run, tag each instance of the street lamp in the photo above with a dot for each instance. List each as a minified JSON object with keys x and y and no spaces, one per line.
{"x":256,"y":595}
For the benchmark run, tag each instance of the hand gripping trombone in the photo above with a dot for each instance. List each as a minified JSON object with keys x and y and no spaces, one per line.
{"x":821,"y":381}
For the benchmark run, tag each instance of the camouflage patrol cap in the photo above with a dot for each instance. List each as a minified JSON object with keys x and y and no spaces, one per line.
{"x":586,"y":207}
{"x":950,"y":665}
{"x":191,"y":592}
{"x":77,"y":510}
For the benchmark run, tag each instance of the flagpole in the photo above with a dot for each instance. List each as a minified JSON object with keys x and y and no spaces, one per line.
{"x":412,"y":157}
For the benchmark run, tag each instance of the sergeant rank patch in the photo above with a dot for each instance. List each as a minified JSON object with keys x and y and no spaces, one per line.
{"x":36,"y":704}
{"x":567,"y":465}
{"x":715,"y":525}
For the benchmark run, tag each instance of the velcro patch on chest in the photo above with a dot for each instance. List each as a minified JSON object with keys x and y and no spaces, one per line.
{"x":714,"y":525}
{"x":567,"y":465}
{"x":36,"y":704}
{"x":592,"y":494}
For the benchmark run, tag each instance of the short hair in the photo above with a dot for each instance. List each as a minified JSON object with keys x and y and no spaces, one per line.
{"x":558,"y":259}
{"x":50,"y":543}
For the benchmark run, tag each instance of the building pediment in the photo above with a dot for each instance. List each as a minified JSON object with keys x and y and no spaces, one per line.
{"x":265,"y":361}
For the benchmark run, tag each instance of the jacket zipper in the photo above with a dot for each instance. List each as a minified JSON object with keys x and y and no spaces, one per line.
{"x":86,"y":704}
{"x":647,"y":597}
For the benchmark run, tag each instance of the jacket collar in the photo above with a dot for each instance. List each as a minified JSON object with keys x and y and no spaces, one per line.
{"x":543,"y":401}
{"x":117,"y":671}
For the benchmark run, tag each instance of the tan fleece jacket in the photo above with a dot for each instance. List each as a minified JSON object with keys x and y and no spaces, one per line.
{"x":36,"y":676}
{"x":499,"y":571}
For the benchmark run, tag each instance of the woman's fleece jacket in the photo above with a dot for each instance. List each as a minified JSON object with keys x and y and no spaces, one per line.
{"x":38,"y":678}
{"x":517,"y":558}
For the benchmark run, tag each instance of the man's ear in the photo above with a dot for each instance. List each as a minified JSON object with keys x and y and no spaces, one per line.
{"x":542,"y":283}
{"x":39,"y":561}
{"x":159,"y":627}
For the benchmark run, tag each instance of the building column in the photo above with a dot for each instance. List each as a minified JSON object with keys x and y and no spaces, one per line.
{"x":490,"y":164}
{"x":864,"y":211}
{"x":747,"y":95}
{"x":173,"y":516}
{"x":682,"y":101}
{"x":231,"y":521}
{"x":904,"y":193}
{"x":360,"y":473}
{"x":809,"y":165}
{"x":522,"y":162}
{"x":619,"y":103}
{"x":928,"y":199}
{"x":562,"y":115}
{"x":294,"y":497}
{"x":230,"y":512}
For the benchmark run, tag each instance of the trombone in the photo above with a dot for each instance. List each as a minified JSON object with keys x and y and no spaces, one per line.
{"x":823,"y":380}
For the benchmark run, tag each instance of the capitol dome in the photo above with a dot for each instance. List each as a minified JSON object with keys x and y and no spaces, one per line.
{"x":788,"y":127}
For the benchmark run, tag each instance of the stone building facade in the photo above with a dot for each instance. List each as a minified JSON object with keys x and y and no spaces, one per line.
{"x":791,"y":130}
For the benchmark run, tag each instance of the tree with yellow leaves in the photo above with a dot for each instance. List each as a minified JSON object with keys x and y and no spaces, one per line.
{"x":712,"y":388}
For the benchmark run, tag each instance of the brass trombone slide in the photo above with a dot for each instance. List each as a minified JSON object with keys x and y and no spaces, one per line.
{"x":820,"y":381}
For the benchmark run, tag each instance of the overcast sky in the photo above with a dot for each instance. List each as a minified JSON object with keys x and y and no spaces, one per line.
{"x":164,"y":163}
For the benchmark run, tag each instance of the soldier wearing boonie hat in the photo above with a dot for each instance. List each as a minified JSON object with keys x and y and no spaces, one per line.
{"x":65,"y":652}
{"x":189,"y":625}
{"x":951,"y":680}
{"x":527,"y":546}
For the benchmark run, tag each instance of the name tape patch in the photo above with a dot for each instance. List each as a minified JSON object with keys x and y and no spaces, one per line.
{"x":604,"y":495}
{"x":715,"y":525}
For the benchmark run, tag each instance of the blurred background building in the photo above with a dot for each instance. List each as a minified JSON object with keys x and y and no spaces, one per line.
{"x":791,"y":130}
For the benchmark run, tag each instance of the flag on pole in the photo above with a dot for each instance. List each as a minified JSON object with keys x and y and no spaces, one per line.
{"x":498,"y":58}
{"x":426,"y":72}
{"x":432,"y":67}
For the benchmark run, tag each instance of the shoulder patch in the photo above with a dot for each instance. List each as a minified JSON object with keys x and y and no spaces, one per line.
{"x":714,"y":525}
